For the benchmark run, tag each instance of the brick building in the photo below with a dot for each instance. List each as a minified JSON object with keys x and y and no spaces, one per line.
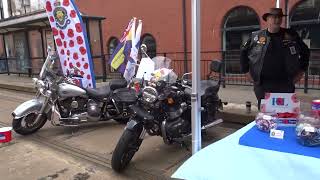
{"x":225,"y":25}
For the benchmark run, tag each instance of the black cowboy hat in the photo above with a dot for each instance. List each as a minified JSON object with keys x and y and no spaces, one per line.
{"x":273,"y":11}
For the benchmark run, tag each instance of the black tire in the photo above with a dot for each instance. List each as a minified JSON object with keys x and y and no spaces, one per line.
{"x":18,"y":128}
{"x":127,"y":146}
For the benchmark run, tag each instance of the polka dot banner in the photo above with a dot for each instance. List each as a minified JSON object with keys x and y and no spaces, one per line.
{"x":71,"y":40}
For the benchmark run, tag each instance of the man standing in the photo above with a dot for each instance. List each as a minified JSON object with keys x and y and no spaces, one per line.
{"x":274,"y":58}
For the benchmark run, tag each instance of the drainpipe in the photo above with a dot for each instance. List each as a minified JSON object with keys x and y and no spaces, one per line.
{"x":5,"y":53}
{"x":287,"y":18}
{"x":104,"y":65}
{"x":278,"y":4}
{"x":184,"y":29}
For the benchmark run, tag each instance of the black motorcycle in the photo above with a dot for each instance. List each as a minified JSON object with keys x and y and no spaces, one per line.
{"x":164,"y":109}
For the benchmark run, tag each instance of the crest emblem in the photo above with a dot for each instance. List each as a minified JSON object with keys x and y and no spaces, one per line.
{"x":61,"y":16}
{"x":262,"y":40}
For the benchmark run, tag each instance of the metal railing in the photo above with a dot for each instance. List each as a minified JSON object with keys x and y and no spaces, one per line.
{"x":230,"y":72}
{"x":311,"y":79}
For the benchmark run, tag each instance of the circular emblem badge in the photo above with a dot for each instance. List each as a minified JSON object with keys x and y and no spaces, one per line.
{"x":61,"y":16}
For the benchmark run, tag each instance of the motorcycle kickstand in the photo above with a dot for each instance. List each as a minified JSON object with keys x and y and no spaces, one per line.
{"x":184,"y":145}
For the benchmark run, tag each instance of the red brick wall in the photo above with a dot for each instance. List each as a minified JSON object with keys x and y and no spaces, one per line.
{"x":163,"y":19}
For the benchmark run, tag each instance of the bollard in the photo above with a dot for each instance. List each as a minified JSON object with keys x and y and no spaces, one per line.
{"x":248,"y":107}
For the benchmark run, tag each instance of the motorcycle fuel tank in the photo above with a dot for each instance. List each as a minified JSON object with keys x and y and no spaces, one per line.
{"x":69,"y":90}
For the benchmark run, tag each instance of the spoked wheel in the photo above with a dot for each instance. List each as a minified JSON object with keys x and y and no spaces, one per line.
{"x":127,"y":146}
{"x":27,"y":124}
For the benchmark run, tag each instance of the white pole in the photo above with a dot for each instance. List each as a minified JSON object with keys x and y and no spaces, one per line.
{"x":278,"y":4}
{"x":195,"y":98}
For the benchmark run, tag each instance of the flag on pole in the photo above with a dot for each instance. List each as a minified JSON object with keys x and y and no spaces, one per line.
{"x":118,"y":57}
{"x":71,"y":40}
{"x":133,"y":58}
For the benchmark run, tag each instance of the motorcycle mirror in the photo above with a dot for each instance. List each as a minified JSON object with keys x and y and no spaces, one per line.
{"x":144,"y":48}
{"x":215,"y":65}
{"x":49,"y":49}
{"x":186,"y":74}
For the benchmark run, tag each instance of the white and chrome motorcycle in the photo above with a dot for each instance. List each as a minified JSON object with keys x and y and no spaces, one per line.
{"x":57,"y":95}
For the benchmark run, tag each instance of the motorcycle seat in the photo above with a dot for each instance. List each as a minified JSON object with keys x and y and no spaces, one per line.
{"x":99,"y":93}
{"x":117,"y":83}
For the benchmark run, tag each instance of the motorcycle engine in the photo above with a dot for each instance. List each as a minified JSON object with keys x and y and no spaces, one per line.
{"x":74,"y":105}
{"x":177,"y":128}
{"x":93,"y":110}
{"x":178,"y":123}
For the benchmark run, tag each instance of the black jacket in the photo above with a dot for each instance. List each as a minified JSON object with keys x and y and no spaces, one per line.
{"x":295,"y":51}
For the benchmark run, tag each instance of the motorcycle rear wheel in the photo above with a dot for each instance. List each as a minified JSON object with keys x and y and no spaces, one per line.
{"x":127,"y":146}
{"x":18,"y":127}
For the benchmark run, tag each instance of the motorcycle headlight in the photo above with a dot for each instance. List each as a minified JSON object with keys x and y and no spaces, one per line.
{"x":149,"y":94}
{"x":39,"y":84}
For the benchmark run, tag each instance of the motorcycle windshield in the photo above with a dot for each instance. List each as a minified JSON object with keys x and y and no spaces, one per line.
{"x":162,"y":70}
{"x":45,"y":67}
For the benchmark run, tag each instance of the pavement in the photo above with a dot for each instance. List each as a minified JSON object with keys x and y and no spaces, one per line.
{"x":26,"y":158}
{"x":68,"y":152}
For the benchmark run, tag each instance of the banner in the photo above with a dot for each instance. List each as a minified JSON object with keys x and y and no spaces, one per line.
{"x":118,"y":57}
{"x":71,"y":40}
{"x":133,"y":59}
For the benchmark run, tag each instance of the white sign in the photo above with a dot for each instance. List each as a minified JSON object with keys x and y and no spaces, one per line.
{"x":280,"y":103}
{"x":276,"y":134}
{"x":146,"y":68}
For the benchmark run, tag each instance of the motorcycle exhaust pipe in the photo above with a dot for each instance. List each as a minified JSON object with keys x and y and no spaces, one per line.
{"x":214,"y":123}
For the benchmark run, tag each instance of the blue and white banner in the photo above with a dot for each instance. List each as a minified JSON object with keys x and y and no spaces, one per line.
{"x":118,"y":57}
{"x":133,"y":59}
{"x":125,"y":56}
{"x":71,"y":40}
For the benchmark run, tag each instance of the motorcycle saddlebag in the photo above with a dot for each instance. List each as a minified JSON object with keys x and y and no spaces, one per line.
{"x":125,"y":95}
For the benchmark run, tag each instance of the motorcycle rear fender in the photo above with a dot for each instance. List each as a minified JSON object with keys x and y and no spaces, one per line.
{"x":28,"y":107}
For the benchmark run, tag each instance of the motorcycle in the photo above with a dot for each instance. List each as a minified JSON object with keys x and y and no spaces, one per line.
{"x":58,"y":95}
{"x":164,"y":109}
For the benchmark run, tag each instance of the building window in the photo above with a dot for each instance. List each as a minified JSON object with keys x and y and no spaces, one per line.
{"x":112,"y":45}
{"x":237,"y":27}
{"x":304,"y":18}
{"x":149,"y":40}
{"x":20,"y":7}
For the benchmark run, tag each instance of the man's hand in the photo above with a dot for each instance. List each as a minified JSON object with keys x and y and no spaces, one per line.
{"x":248,"y":76}
{"x":298,"y":77}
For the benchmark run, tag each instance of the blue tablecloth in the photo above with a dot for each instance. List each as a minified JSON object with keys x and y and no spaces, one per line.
{"x":227,"y":160}
{"x":256,"y":138}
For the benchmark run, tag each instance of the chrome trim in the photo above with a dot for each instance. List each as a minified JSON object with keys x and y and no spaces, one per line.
{"x":143,"y":133}
{"x":214,"y":123}
{"x":164,"y":133}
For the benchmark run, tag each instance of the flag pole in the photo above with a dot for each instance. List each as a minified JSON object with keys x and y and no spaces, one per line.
{"x":195,"y":98}
{"x":278,"y":4}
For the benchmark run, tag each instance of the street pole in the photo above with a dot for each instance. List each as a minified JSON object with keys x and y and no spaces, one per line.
{"x":195,"y":99}
{"x":287,"y":13}
{"x":278,"y":4}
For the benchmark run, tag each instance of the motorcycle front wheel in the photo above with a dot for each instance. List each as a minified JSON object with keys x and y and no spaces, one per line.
{"x":127,"y":146}
{"x":26,"y":124}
